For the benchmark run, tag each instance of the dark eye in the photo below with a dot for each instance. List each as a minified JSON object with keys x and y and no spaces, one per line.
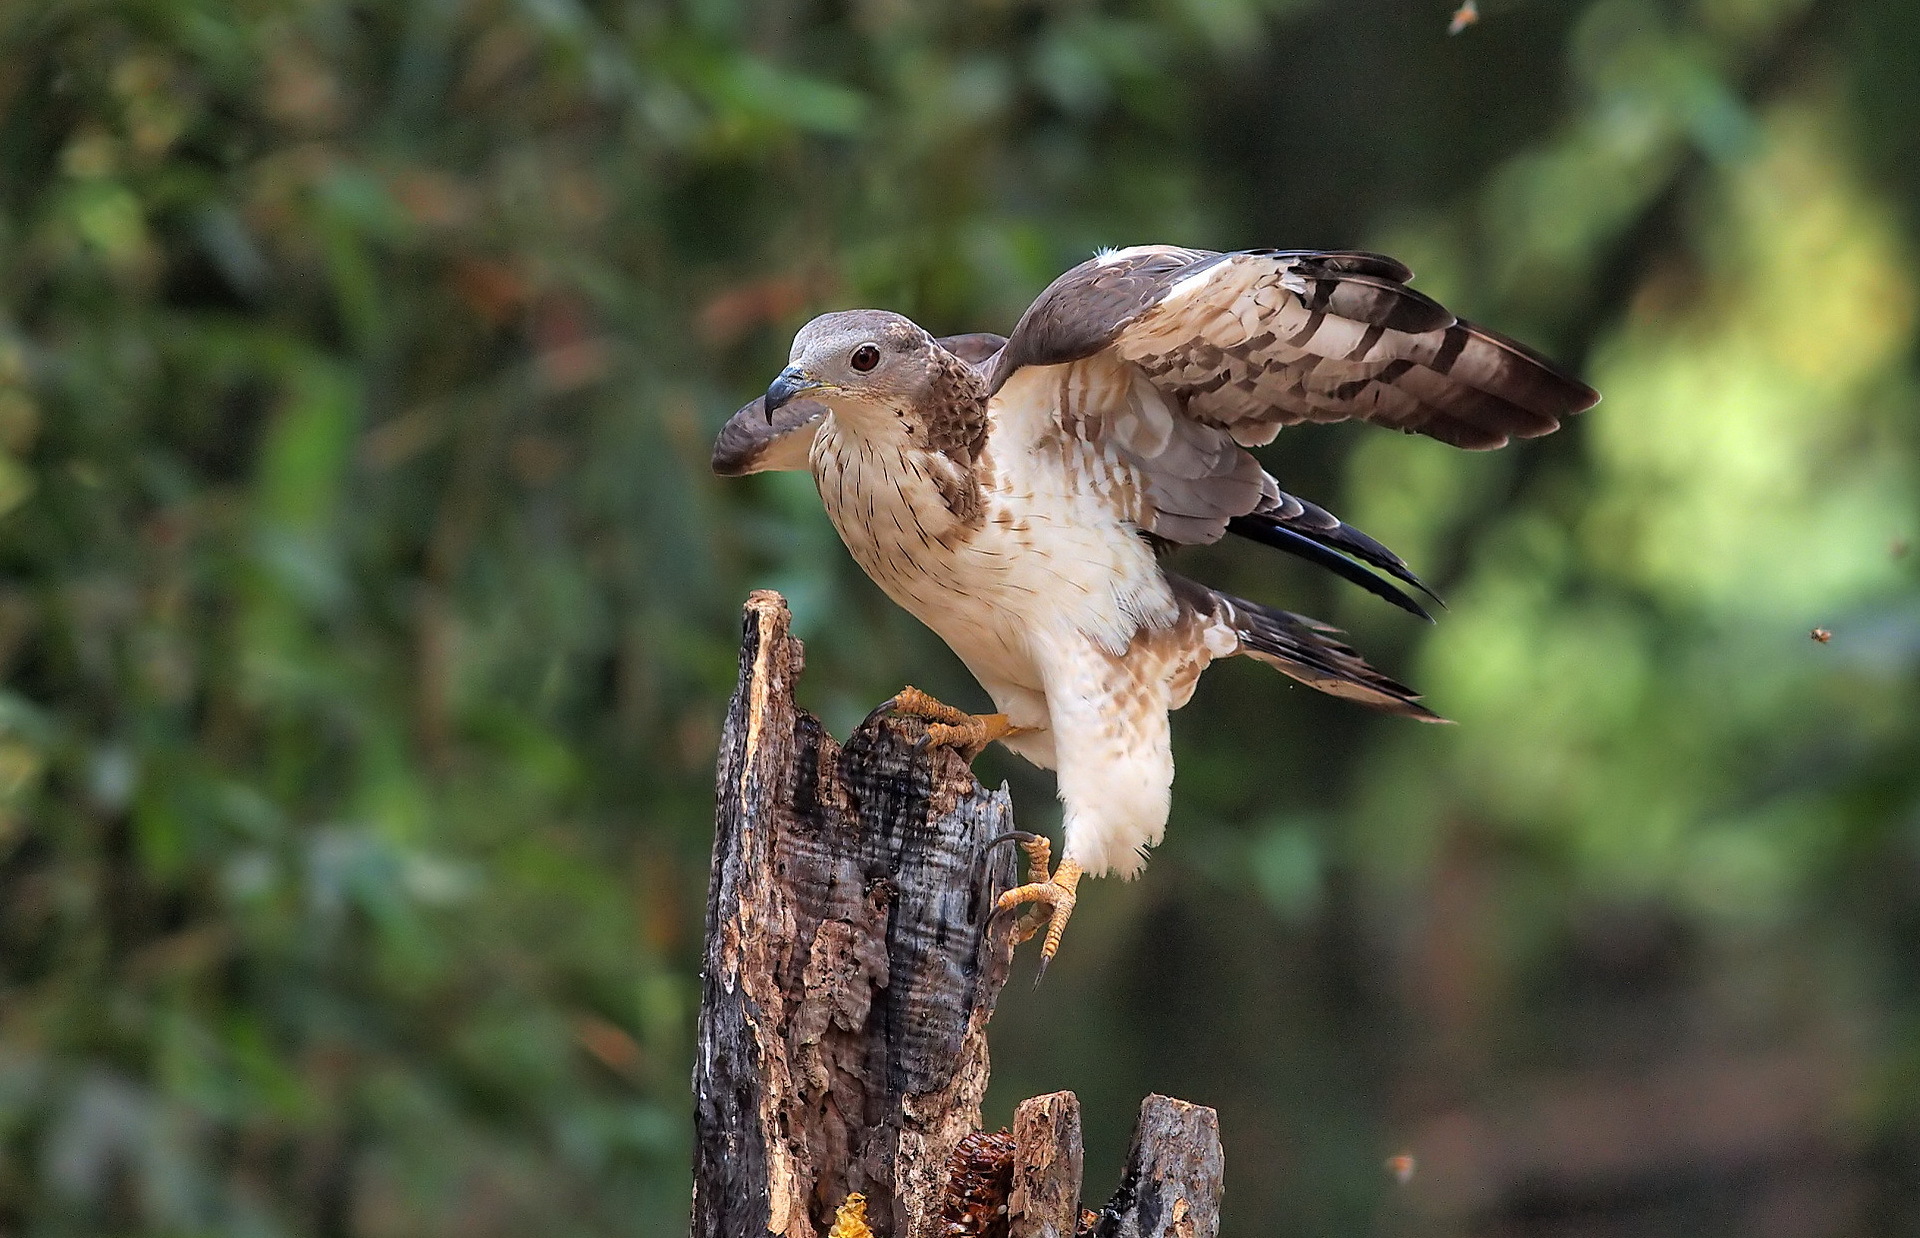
{"x":864,"y":358}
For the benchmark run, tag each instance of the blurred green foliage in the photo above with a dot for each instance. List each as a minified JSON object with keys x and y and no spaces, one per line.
{"x":366,"y":609}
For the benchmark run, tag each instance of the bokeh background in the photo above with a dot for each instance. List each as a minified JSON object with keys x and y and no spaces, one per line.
{"x":367,"y":609}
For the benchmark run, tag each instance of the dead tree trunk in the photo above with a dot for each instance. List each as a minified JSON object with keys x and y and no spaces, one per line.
{"x":851,"y":967}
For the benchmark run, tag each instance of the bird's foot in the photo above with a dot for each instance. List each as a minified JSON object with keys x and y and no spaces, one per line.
{"x":947,"y":727}
{"x":1055,"y":892}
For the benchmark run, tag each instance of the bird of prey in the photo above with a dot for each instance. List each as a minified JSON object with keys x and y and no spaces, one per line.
{"x":1019,"y":495}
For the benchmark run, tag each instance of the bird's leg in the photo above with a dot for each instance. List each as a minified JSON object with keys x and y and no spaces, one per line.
{"x":1056,"y":892}
{"x":948,"y":727}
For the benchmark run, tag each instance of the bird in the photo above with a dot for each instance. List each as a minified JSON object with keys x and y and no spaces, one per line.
{"x":1020,"y":496}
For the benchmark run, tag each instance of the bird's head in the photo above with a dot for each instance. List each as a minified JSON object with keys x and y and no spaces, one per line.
{"x":756,"y":440}
{"x":865,"y":365}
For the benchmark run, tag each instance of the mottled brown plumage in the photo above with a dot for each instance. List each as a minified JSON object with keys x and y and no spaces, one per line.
{"x":1016,"y":495}
{"x":955,"y":426}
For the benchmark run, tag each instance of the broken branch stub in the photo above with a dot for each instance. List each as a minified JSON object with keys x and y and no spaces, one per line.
{"x":1172,"y":1184}
{"x":849,"y":970}
{"x":1047,"y":1162}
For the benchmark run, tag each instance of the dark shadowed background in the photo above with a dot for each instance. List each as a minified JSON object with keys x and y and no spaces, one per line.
{"x":367,"y":608}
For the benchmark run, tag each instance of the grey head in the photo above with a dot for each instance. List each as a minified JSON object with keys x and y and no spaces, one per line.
{"x":757,"y":441}
{"x":857,"y":360}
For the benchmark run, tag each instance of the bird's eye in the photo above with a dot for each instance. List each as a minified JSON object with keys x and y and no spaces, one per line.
{"x":864,"y":358}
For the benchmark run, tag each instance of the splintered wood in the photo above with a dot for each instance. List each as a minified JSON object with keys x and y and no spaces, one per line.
{"x":852,"y":963}
{"x":1045,"y":1202}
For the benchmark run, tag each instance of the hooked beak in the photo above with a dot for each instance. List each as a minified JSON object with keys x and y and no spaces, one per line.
{"x":793,"y":381}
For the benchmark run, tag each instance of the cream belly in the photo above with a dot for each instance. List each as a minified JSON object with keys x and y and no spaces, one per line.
{"x":971,"y":585}
{"x":1057,"y":608}
{"x":1035,"y":570}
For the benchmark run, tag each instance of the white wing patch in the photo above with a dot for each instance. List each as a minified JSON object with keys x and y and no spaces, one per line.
{"x":1187,"y":286}
{"x":1108,"y":257}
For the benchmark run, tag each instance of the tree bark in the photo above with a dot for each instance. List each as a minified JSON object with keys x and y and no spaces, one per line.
{"x":852,"y":963}
{"x":1171,"y":1187}
{"x":849,"y":973}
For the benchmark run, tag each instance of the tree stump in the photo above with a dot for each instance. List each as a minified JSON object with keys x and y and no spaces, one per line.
{"x":852,"y":963}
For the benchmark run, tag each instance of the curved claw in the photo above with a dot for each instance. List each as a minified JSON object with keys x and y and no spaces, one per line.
{"x":890,"y":705}
{"x":1057,"y":893}
{"x":1029,"y":842}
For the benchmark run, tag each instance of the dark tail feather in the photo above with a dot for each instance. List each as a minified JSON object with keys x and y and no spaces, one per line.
{"x":1304,"y":649}
{"x":1317,"y":535}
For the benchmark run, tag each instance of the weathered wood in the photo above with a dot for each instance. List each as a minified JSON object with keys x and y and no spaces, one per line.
{"x":1045,"y":1202}
{"x":1171,"y":1188}
{"x":852,"y":963}
{"x":849,"y":972}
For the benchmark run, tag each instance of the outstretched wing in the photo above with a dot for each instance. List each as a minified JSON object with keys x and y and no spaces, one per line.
{"x":1172,"y":361}
{"x":1252,"y":341}
{"x":751,"y":442}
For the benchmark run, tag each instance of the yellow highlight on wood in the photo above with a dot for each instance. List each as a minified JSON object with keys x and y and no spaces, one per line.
{"x":850,"y":1219}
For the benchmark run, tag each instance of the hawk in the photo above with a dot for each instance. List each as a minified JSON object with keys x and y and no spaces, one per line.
{"x":1018,"y":495}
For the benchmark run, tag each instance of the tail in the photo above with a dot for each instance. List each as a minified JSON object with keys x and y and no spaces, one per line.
{"x":1302,"y":648}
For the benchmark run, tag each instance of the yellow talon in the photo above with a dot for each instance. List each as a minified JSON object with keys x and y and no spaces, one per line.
{"x":947,"y":727}
{"x":1056,"y":892}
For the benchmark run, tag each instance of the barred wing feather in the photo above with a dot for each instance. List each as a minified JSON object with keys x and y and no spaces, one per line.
{"x":1253,"y":341}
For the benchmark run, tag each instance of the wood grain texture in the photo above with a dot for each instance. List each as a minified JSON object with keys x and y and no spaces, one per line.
{"x":849,"y":971}
{"x":1047,"y":1163}
{"x":1172,"y":1184}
